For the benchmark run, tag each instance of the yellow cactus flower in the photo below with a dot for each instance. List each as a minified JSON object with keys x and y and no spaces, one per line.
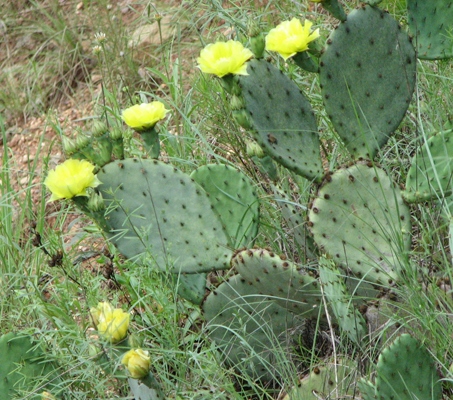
{"x":70,"y":179}
{"x":290,"y":37}
{"x":111,"y":323}
{"x":99,"y":312}
{"x":223,"y":58}
{"x":47,"y":396}
{"x":137,"y":362}
{"x":144,"y":116}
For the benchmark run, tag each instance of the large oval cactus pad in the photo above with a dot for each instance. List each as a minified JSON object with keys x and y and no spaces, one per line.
{"x":284,"y":120}
{"x":405,"y":370}
{"x":360,"y":219}
{"x":233,"y":196}
{"x":290,"y":286}
{"x":431,"y":22}
{"x":159,"y":215}
{"x":247,"y":327}
{"x":367,"y":74}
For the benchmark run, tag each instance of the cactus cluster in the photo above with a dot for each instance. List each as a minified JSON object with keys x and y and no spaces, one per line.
{"x":191,"y":225}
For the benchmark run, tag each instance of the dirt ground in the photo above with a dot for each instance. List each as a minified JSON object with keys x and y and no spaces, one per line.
{"x":31,"y":139}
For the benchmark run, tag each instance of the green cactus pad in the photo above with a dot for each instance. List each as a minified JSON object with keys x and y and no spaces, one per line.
{"x":349,"y":319}
{"x":405,"y":371}
{"x":367,"y":74}
{"x":146,"y":388}
{"x":294,"y":217}
{"x":431,"y":22}
{"x":360,"y":219}
{"x":24,"y":367}
{"x":192,"y":287}
{"x":335,"y":8}
{"x":159,"y":216}
{"x":248,"y":327}
{"x":431,"y":173}
{"x":285,"y":124}
{"x":326,"y":381}
{"x":233,"y":196}
{"x":288,"y":285}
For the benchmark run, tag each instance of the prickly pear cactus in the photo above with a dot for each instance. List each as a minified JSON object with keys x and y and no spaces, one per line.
{"x":157,"y":214}
{"x":335,"y":8}
{"x":367,"y":74}
{"x":431,"y":23}
{"x":338,"y":298}
{"x":327,"y":381}
{"x":283,"y":118}
{"x":23,"y":368}
{"x":294,"y":217}
{"x":405,"y":371}
{"x":149,"y":391}
{"x":431,"y":173}
{"x":360,"y":219}
{"x":191,"y":287}
{"x":288,"y":285}
{"x":234,"y":198}
{"x":248,"y":327}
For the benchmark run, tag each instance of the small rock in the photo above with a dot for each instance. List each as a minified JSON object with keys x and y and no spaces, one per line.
{"x":149,"y":34}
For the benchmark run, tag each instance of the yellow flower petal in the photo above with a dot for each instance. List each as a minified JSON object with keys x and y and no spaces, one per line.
{"x":145,"y":115}
{"x":137,"y":362}
{"x":113,"y":324}
{"x":290,"y":37}
{"x":70,"y":179}
{"x":223,"y":58}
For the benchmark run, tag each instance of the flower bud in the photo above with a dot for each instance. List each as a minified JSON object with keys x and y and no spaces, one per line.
{"x":82,"y":141}
{"x":69,"y":145}
{"x":137,"y":362}
{"x":47,"y":396}
{"x":98,"y":129}
{"x":96,"y":202}
{"x":237,"y":103}
{"x":116,"y":133}
{"x":254,"y":149}
{"x":241,"y":117}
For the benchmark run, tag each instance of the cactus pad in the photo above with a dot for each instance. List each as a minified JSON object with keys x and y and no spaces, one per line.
{"x":285,"y":124}
{"x":285,"y":283}
{"x":247,"y":327}
{"x":431,"y":22}
{"x":350,"y":320}
{"x":431,"y":172}
{"x":367,"y":74}
{"x":360,"y":219}
{"x":192,"y":287}
{"x":157,"y":214}
{"x":294,"y":217}
{"x":233,"y":196}
{"x":325,"y":381}
{"x":405,"y":370}
{"x":23,"y":366}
